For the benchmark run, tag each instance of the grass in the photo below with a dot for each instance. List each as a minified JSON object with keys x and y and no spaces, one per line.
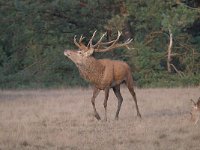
{"x":63,"y":119}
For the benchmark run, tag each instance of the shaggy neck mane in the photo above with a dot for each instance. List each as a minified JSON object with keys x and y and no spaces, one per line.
{"x":91,"y":70}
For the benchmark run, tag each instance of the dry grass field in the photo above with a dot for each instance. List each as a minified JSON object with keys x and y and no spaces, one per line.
{"x":63,"y":119}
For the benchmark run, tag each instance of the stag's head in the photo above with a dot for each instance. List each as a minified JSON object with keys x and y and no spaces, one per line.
{"x":195,"y":112}
{"x":84,"y":52}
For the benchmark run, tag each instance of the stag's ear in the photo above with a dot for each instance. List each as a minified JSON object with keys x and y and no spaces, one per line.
{"x":194,"y":106}
{"x":89,"y":52}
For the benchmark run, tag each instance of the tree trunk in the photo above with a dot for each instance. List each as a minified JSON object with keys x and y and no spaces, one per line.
{"x":169,"y":51}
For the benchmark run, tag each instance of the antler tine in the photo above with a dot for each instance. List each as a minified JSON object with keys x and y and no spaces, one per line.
{"x":81,"y":38}
{"x":80,"y":45}
{"x":101,"y":38}
{"x":115,"y":46}
{"x":110,"y":42}
{"x":75,"y":42}
{"x":128,"y":41}
{"x":118,"y":36}
{"x":90,"y":42}
{"x":119,"y":33}
{"x":111,"y":46}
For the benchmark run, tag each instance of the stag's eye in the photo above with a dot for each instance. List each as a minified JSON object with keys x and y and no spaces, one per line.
{"x":79,"y":52}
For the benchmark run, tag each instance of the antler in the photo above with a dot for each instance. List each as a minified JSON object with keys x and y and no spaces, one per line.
{"x":80,"y":45}
{"x":113,"y":44}
{"x":99,"y":42}
{"x":100,"y":46}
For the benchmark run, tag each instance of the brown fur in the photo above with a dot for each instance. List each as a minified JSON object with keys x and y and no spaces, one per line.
{"x":198,"y":104}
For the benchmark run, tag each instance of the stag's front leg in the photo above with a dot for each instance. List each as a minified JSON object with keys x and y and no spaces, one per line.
{"x":105,"y":102}
{"x":95,"y":94}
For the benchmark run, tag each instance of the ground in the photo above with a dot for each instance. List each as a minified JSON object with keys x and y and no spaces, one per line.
{"x":63,"y":119}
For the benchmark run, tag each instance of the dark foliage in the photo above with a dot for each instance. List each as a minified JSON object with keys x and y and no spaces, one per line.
{"x":34,"y":35}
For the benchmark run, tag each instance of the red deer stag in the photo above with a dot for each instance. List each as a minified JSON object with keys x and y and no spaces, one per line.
{"x":195,"y":112}
{"x":103,"y":73}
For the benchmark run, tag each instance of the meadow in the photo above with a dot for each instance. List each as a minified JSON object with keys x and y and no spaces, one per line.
{"x":63,"y":119}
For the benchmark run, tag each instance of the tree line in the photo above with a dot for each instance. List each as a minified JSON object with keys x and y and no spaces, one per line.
{"x":165,"y":50}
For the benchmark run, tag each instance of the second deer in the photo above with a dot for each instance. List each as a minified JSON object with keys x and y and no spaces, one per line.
{"x":103,"y":73}
{"x":195,"y":112}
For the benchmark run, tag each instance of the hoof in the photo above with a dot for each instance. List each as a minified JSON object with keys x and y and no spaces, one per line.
{"x":97,"y":117}
{"x":105,"y":119}
{"x":116,"y":118}
{"x":139,"y":115}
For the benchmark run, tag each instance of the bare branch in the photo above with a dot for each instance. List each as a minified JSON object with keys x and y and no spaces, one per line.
{"x":179,"y":72}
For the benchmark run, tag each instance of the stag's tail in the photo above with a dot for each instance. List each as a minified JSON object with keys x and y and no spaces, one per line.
{"x":129,"y":81}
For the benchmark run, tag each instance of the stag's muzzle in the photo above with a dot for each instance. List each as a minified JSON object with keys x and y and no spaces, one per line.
{"x":67,"y":53}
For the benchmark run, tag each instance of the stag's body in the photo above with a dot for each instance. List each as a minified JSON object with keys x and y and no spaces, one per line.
{"x":103,"y":74}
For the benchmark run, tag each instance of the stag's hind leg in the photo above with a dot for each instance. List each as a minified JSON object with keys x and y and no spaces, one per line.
{"x":117,"y":92}
{"x":95,"y":94}
{"x":129,"y":84}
